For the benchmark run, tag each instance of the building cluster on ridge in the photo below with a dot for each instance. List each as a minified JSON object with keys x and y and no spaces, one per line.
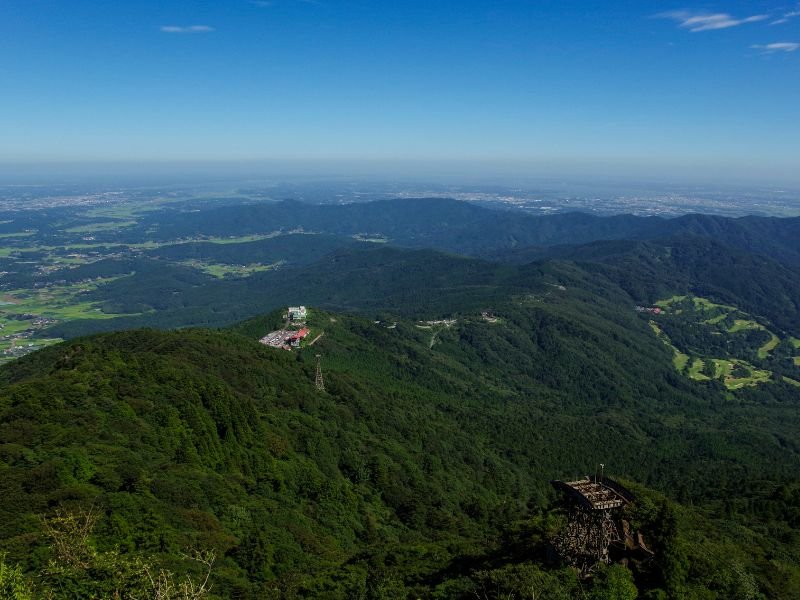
{"x":289,"y":337}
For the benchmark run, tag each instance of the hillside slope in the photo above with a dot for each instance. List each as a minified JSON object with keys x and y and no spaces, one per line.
{"x":420,"y":471}
{"x":372,"y":279}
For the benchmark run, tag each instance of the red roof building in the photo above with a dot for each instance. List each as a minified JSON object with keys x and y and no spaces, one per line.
{"x":295,"y":338}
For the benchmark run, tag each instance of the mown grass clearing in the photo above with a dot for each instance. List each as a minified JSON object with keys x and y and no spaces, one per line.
{"x":221,"y":271}
{"x":679,"y":359}
{"x":104,"y":226}
{"x":699,"y":303}
{"x":742,"y":325}
{"x":722,"y":367}
{"x":679,"y":304}
{"x":705,"y":304}
{"x":696,"y":370}
{"x":749,"y":325}
{"x":773,"y":342}
{"x":670,"y":301}
{"x":238,"y":240}
{"x":125,"y":210}
{"x":738,"y":373}
{"x":756,"y":377}
{"x":723,"y":320}
{"x":716,"y":320}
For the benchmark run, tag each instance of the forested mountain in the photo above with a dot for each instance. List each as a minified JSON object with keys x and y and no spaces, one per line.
{"x":421,"y":472}
{"x":437,"y":223}
{"x":428,"y":222}
{"x":655,"y":269}
{"x":374,"y":278}
{"x":468,"y":229}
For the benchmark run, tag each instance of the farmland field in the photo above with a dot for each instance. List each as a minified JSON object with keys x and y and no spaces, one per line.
{"x":57,"y":272}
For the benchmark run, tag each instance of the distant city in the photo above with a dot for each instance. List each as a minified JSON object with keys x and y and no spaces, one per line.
{"x":545,"y":197}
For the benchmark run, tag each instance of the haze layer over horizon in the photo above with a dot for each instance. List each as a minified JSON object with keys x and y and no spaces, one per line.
{"x":570,"y":87}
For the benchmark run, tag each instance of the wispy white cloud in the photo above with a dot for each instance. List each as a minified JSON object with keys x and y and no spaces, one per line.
{"x":777,"y":47}
{"x":186,"y":29}
{"x":786,"y":17}
{"x":708,"y":21}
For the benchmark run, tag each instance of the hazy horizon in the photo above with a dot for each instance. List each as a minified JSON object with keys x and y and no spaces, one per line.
{"x":512,"y":88}
{"x":444,"y":172}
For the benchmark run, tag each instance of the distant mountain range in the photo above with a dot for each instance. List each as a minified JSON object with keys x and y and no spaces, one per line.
{"x":378,"y":278}
{"x":464,"y":228}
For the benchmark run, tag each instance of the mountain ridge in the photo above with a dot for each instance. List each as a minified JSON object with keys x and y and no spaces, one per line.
{"x":465,"y":228}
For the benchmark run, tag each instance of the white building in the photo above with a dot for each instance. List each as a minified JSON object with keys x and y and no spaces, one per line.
{"x":297,"y":313}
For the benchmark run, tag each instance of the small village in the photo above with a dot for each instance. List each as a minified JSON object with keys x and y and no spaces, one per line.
{"x":16,"y":343}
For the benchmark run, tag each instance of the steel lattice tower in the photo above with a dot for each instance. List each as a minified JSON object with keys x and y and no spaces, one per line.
{"x":320,"y":383}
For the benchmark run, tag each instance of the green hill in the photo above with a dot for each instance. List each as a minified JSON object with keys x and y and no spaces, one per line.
{"x":422,"y":471}
{"x":373,"y":278}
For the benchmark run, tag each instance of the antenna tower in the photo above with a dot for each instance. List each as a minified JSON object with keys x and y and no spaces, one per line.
{"x":318,"y":379}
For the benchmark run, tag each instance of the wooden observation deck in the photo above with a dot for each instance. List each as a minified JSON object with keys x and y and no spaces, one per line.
{"x":595,"y":493}
{"x":594,"y":515}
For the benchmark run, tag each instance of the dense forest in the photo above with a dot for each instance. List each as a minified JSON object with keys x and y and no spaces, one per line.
{"x":421,"y":472}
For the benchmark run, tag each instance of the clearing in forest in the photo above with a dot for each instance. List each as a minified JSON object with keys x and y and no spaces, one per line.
{"x":721,"y":342}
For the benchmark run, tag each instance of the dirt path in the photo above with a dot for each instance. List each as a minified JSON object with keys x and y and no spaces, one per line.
{"x":433,"y":339}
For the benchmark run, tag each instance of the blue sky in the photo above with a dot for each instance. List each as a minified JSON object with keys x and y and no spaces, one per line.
{"x":624,"y":82}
